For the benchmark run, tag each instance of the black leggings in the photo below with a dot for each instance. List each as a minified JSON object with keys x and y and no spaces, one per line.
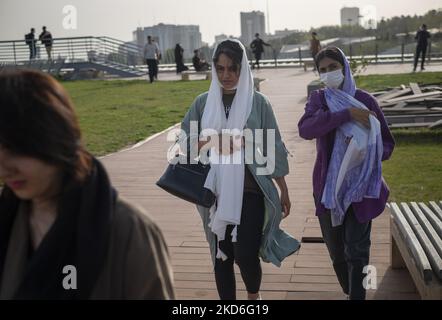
{"x":245,"y":252}
{"x":419,"y":50}
{"x":153,"y":68}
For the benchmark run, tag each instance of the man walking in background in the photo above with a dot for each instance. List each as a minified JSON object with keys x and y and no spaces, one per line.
{"x":151,"y":54}
{"x":257,"y":47}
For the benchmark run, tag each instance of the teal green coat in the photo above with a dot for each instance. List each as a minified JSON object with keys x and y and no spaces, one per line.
{"x":276,"y":244}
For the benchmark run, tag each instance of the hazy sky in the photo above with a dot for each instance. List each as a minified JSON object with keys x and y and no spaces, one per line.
{"x":117,"y":18}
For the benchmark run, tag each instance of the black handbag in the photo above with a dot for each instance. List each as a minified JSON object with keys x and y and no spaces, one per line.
{"x":186,"y":181}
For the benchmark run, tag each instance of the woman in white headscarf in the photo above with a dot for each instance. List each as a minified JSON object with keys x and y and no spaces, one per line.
{"x":243,"y":225}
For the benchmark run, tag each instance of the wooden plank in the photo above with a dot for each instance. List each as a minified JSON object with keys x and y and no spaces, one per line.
{"x":408,"y":237}
{"x":434,"y":100}
{"x":397,"y":261}
{"x":408,"y":125}
{"x":414,"y":96}
{"x":392,"y":94}
{"x":415,"y":88}
{"x":434,"y":220}
{"x":416,"y":112}
{"x":425,"y":233}
{"x":437,"y":210}
{"x":378,"y":93}
{"x":436,"y":125}
{"x":429,"y":118}
{"x":330,"y":295}
{"x":384,"y":105}
{"x":430,"y":290}
{"x":399,"y":106}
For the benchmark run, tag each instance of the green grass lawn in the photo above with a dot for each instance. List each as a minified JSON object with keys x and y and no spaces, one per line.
{"x":414,"y":172}
{"x":115,"y":114}
{"x":378,"y":82}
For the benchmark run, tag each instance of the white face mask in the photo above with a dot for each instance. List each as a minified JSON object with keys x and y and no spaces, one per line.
{"x":332,"y":79}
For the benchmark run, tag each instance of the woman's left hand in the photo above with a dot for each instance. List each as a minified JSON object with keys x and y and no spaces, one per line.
{"x":285,"y":203}
{"x":285,"y":199}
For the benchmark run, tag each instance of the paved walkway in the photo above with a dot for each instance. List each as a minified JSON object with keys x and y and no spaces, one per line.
{"x":306,"y":275}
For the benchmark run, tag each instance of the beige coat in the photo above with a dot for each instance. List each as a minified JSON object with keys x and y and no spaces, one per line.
{"x":137,"y":265}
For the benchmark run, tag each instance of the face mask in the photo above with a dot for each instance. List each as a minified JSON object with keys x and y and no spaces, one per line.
{"x":332,"y":79}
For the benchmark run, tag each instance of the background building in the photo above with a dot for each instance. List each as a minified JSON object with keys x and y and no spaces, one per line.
{"x":251,"y":23}
{"x":350,"y":16}
{"x":279,"y":34}
{"x":168,"y":35}
{"x":222,"y":37}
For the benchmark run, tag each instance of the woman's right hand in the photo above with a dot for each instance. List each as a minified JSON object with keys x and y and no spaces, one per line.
{"x":362,"y":116}
{"x":228,"y":144}
{"x":224,"y":143}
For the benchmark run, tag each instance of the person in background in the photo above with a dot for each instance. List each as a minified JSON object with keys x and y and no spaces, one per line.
{"x":46,"y":39}
{"x":315,"y":47}
{"x":151,"y":54}
{"x":257,"y":47}
{"x":180,"y":67}
{"x":421,"y":38}
{"x":198,"y":63}
{"x":31,"y":42}
{"x":60,"y":216}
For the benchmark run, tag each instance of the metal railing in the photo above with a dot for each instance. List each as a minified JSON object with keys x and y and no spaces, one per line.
{"x":109,"y":50}
{"x":373,"y":52}
{"x":75,"y":49}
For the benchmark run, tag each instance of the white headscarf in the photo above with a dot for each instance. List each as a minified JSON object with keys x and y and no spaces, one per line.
{"x":226,"y":180}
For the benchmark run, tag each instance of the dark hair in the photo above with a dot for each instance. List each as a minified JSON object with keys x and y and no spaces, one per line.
{"x":32,"y":30}
{"x":232,"y":50}
{"x":424,"y":26}
{"x":314,"y":33}
{"x":329,"y":52}
{"x":37,"y":119}
{"x":256,"y":34}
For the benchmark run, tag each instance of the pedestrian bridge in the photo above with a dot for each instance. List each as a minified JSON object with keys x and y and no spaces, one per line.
{"x":106,"y":54}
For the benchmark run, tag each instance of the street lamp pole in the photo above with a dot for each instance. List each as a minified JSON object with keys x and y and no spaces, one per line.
{"x":349,"y":25}
{"x":360,"y":35}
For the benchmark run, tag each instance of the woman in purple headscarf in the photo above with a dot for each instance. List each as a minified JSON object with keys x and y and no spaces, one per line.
{"x":352,"y":138}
